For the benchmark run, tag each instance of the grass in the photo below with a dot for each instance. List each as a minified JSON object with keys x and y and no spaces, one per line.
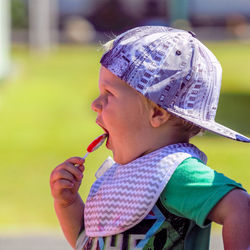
{"x":235,"y":60}
{"x":45,"y":118}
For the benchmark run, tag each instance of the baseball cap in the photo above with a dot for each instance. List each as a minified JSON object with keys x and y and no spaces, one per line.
{"x":174,"y":70}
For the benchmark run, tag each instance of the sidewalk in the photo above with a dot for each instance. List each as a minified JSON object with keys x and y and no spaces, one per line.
{"x":34,"y":242}
{"x":57,"y":242}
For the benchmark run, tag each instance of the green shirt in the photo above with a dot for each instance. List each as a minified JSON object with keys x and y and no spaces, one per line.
{"x":192,"y":192}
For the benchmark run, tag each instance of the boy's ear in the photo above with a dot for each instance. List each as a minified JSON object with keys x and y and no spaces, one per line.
{"x":158,"y":116}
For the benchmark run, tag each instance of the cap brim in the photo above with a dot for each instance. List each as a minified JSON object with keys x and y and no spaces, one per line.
{"x":214,"y":127}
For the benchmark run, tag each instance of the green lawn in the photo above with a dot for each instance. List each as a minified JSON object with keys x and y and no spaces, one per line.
{"x":45,"y":118}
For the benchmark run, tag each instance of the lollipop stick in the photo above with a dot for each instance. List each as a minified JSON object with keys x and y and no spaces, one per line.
{"x":85,"y":156}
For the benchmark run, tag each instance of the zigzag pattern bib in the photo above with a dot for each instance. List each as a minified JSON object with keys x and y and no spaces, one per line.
{"x":125,"y":194}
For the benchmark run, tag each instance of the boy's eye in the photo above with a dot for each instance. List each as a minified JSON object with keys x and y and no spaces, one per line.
{"x":108,"y":92}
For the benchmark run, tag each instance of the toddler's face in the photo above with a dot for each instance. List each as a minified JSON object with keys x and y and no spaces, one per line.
{"x":124,"y":115}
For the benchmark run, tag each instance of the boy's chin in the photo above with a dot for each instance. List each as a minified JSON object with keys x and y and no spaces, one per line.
{"x":122,"y":160}
{"x":118,"y":159}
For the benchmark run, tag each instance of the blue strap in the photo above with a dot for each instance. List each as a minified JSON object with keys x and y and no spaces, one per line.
{"x":101,"y":243}
{"x":160,"y":218}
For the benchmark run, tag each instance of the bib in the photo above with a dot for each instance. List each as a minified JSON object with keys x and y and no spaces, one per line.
{"x":121,"y":197}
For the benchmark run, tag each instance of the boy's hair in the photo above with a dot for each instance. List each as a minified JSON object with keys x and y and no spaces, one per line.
{"x":185,"y":127}
{"x":108,"y":45}
{"x":174,"y":70}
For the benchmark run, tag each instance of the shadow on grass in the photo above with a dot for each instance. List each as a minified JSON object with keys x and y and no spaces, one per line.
{"x":234,"y":111}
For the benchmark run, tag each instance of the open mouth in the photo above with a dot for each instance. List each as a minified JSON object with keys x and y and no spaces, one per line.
{"x":106,"y":132}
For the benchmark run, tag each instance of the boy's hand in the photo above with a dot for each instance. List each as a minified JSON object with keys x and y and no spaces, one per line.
{"x":65,"y":181}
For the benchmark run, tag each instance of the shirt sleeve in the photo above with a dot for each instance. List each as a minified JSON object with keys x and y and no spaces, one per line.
{"x":194,"y":189}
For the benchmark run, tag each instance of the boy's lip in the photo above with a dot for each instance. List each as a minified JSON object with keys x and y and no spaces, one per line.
{"x":99,"y":124}
{"x":105,"y":130}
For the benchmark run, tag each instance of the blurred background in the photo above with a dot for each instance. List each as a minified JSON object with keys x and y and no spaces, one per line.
{"x":49,"y":62}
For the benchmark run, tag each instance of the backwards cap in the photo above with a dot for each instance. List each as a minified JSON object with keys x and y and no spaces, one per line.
{"x":174,"y":70}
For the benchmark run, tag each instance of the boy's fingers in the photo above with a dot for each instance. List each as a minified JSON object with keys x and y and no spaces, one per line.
{"x":63,"y":174}
{"x":75,"y":171}
{"x":81,"y":168}
{"x":66,"y":171}
{"x":62,"y":184}
{"x":76,"y":160}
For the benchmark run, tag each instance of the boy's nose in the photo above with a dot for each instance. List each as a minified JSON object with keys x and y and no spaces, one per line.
{"x":96,"y":105}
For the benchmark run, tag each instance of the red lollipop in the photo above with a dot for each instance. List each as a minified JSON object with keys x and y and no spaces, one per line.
{"x":95,"y":144}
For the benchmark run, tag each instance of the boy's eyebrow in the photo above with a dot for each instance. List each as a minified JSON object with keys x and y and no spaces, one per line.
{"x":107,"y":83}
{"x":104,"y":84}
